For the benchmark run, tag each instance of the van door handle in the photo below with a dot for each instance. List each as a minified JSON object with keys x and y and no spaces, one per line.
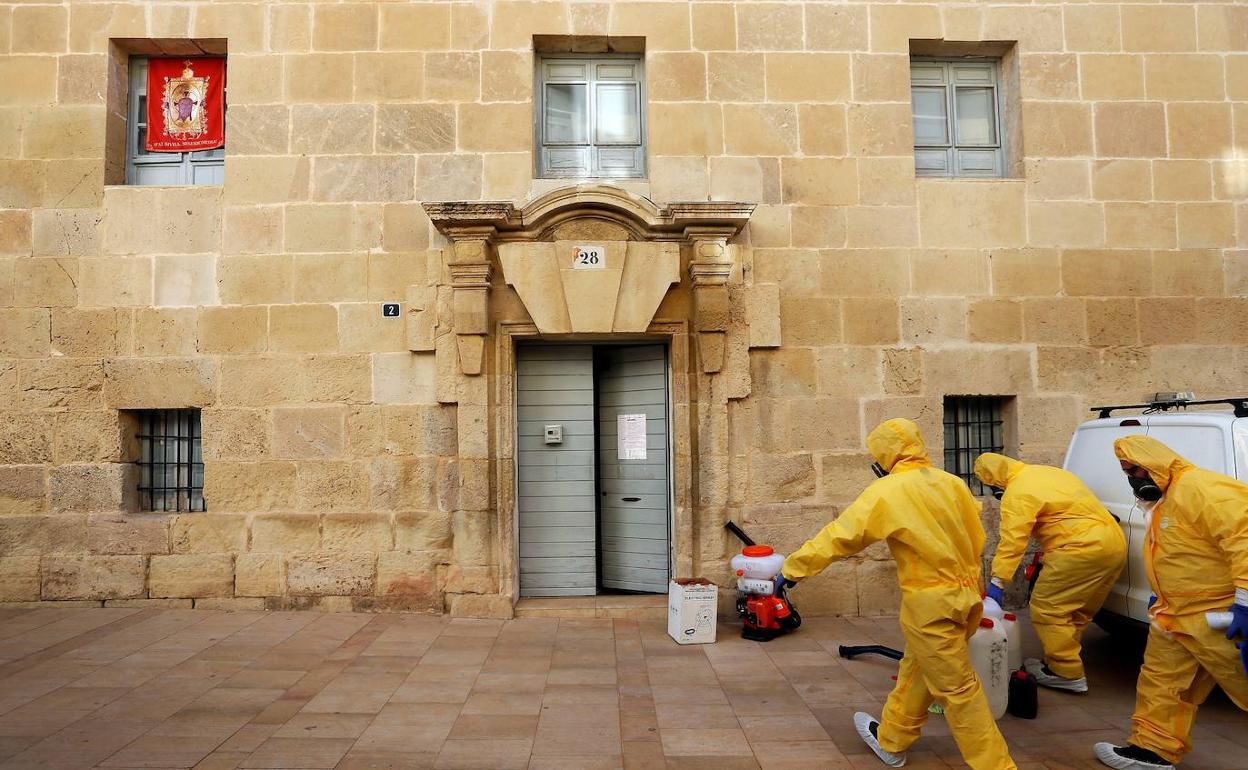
{"x":631,"y":499}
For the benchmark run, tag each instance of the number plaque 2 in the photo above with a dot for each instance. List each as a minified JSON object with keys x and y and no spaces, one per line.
{"x":590,"y":257}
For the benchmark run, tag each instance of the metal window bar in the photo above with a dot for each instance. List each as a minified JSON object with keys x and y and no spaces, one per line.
{"x":973,"y":425}
{"x":171,"y":462}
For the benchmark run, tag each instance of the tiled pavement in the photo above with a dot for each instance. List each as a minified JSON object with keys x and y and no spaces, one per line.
{"x":150,"y":688}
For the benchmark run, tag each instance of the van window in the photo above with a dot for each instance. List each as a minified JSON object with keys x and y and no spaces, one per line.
{"x":1202,"y":445}
{"x":1091,"y":457}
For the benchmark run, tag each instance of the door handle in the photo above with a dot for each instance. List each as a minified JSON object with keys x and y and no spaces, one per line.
{"x":631,"y":499}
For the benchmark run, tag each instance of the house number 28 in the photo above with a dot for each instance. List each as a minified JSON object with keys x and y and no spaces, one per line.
{"x":590,"y":258}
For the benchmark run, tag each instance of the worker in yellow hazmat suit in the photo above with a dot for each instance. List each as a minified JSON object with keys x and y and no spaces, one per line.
{"x":1196,"y":558}
{"x":931,"y":523}
{"x":1084,"y":550}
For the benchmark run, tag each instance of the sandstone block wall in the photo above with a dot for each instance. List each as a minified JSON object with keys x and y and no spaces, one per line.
{"x":1110,"y":263}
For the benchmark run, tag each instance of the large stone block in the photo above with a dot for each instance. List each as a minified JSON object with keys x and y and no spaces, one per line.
{"x":44,"y":282}
{"x":233,"y":329}
{"x":420,"y":430}
{"x":94,"y":332}
{"x":247,"y":381}
{"x":693,"y":128}
{"x":23,"y":489}
{"x":1054,"y":321}
{"x":848,"y":371}
{"x":975,"y":372}
{"x":932,"y":320}
{"x":779,"y":478}
{"x":1066,"y":223}
{"x":137,"y":383}
{"x":331,"y":574}
{"x":666,"y":25}
{"x":261,"y":179}
{"x":1113,"y":322}
{"x":1025,"y":271}
{"x":25,"y":438}
{"x":303,"y":328}
{"x":119,"y":533}
{"x":421,"y":27}
{"x":93,"y":577}
{"x":1199,"y":129}
{"x":870,"y":321}
{"x":1092,"y":28}
{"x":808,"y":321}
{"x":819,"y":181}
{"x":165,"y":332}
{"x":344,"y":178}
{"x":62,"y":232}
{"x":338,"y":379}
{"x":249,"y":486}
{"x":422,"y":531}
{"x":235,"y":434}
{"x":56,"y":383}
{"x":404,"y":483}
{"x":191,"y":575}
{"x":411,"y":578}
{"x":822,"y":424}
{"x":1141,"y":224}
{"x":344,"y":28}
{"x":92,"y":437}
{"x":480,"y":606}
{"x":332,"y":485}
{"x":208,"y":533}
{"x":285,"y":532}
{"x":1159,"y":28}
{"x":309,"y":432}
{"x":43,"y":535}
{"x":25,"y":332}
{"x":404,"y":378}
{"x":1130,"y":129}
{"x":259,"y":574}
{"x":256,"y":280}
{"x":19,"y":578}
{"x":1112,"y":77}
{"x":370,"y":532}
{"x":903,"y":371}
{"x":86,"y":488}
{"x":1206,"y":225}
{"x":971,"y":214}
{"x":1107,"y":273}
{"x":995,"y":320}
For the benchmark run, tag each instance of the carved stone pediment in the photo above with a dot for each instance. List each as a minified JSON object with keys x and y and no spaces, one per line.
{"x":541,"y":218}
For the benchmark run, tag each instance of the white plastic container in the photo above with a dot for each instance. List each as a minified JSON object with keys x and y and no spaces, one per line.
{"x":989,"y":650}
{"x":757,"y":562}
{"x":992,"y":610}
{"x":1014,"y":639}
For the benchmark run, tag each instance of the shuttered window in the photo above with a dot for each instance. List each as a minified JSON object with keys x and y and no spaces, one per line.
{"x":957,"y":117}
{"x":590,"y":117}
{"x":162,"y":168}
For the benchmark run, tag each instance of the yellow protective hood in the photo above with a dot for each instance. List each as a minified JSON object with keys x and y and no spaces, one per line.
{"x":996,"y":470}
{"x":1161,"y":462}
{"x":897,"y":441}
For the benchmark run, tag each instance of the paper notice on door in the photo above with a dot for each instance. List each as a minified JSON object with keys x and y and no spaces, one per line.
{"x":631,"y":436}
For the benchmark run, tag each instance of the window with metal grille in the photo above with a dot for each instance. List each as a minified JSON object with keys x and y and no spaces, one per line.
{"x":973,"y":425}
{"x":171,"y":461}
{"x":957,"y":117}
{"x":590,"y":116}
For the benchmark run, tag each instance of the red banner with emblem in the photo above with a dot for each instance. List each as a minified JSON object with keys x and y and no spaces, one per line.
{"x":185,"y":103}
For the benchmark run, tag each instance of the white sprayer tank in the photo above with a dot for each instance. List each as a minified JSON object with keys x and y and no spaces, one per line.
{"x":989,"y":650}
{"x":756,"y":568}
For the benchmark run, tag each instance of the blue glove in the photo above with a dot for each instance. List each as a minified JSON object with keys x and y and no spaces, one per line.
{"x":783,"y":583}
{"x":1239,"y":622}
{"x":996,"y":593}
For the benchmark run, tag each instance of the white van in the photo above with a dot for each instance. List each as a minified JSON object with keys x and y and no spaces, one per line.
{"x":1216,"y":440}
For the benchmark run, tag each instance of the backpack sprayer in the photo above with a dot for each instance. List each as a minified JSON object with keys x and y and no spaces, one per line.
{"x":764,"y":609}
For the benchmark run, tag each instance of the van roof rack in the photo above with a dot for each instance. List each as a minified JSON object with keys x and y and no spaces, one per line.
{"x":1240,"y":405}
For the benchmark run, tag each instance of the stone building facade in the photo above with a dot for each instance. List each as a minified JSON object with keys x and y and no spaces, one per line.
{"x":805,"y":282}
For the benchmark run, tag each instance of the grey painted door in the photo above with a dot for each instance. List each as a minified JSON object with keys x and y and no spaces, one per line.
{"x":633,"y":493}
{"x":558,"y":540}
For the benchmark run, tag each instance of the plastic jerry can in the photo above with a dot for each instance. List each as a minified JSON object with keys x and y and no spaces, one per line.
{"x":990,"y":658}
{"x":1024,"y":700}
{"x":1014,"y":639}
{"x":992,"y":610}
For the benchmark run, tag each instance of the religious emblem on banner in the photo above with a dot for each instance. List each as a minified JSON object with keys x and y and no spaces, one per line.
{"x":185,"y":105}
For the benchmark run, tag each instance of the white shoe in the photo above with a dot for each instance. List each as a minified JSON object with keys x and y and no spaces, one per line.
{"x":1129,"y":757}
{"x":1046,"y":678}
{"x":863,"y":722}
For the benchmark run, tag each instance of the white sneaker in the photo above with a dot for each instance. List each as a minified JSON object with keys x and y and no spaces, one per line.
{"x":863,"y":723}
{"x":1129,"y":757}
{"x":1046,"y":678}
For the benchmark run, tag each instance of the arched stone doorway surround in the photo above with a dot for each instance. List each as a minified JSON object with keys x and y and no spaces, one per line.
{"x":673,"y":273}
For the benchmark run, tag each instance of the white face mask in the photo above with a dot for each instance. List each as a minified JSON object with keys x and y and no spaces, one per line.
{"x":1147,"y":508}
